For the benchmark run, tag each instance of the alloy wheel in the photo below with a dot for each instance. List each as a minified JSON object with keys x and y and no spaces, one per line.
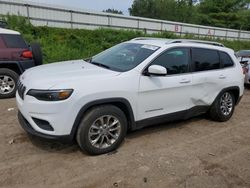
{"x":104,"y":132}
{"x":7,"y":84}
{"x":226,"y":103}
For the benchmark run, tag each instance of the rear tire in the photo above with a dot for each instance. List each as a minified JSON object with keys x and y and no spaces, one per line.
{"x":102,"y":130}
{"x":8,"y":83}
{"x":223,"y":107}
{"x":37,"y":53}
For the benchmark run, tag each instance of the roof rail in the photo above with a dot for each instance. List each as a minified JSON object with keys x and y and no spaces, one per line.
{"x":196,"y":41}
{"x":170,"y":41}
{"x":148,"y":38}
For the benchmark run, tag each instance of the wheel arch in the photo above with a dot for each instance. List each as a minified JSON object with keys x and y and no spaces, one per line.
{"x":121,"y":103}
{"x":12,"y":66}
{"x":235,"y":90}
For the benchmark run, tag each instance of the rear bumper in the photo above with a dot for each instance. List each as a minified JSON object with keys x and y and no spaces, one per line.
{"x":28,"y":128}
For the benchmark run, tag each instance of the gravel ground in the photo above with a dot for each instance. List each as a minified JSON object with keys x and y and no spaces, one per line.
{"x":193,"y":153}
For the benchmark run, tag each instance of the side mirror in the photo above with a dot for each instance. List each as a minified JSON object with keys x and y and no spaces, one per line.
{"x":244,"y":62}
{"x":157,"y":70}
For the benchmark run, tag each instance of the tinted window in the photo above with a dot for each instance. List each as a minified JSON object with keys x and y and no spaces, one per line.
{"x":1,"y":43}
{"x":226,"y":60}
{"x":175,"y":61}
{"x":205,"y":59}
{"x":14,"y":41}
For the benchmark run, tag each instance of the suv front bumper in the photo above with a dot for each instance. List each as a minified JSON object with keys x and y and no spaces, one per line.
{"x":28,"y":128}
{"x":59,"y":115}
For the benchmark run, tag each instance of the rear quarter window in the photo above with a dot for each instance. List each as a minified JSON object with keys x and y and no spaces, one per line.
{"x":226,"y":60}
{"x":14,"y":41}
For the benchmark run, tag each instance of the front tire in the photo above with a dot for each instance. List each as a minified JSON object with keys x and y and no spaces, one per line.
{"x":102,"y":129}
{"x":223,"y":107}
{"x":8,"y":83}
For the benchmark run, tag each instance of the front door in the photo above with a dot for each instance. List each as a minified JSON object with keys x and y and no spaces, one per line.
{"x":160,"y":95}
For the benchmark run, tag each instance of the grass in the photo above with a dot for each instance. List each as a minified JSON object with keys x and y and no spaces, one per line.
{"x":65,"y":44}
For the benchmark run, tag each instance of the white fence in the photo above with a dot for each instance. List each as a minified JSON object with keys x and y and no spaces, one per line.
{"x":64,"y":17}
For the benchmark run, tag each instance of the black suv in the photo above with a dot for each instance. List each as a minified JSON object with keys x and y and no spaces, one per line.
{"x":15,"y":57}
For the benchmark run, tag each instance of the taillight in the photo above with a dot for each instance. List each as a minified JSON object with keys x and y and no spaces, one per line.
{"x":27,"y":54}
{"x":245,"y":70}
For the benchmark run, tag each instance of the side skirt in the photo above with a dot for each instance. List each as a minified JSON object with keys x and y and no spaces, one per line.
{"x":182,"y":115}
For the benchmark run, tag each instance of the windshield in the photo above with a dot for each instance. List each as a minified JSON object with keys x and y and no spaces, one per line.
{"x":123,"y":57}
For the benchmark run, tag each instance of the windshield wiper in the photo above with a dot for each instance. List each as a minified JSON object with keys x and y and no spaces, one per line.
{"x":100,"y":64}
{"x":89,"y":59}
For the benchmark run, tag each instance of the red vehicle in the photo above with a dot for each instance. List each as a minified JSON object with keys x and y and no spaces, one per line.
{"x":15,"y":57}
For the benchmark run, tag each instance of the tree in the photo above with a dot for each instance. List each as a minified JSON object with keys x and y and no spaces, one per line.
{"x":221,"y":13}
{"x":224,"y":13}
{"x":174,"y":10}
{"x":113,"y":11}
{"x":143,"y":8}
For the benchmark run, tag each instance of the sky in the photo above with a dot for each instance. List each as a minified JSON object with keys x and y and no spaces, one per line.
{"x":97,"y":5}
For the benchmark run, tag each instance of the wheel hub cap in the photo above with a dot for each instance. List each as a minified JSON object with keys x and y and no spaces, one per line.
{"x":226,"y":104}
{"x":7,"y":84}
{"x":104,"y":131}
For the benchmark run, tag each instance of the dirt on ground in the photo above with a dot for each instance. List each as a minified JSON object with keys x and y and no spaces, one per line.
{"x":193,"y":153}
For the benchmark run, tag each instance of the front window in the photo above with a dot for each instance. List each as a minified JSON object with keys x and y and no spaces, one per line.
{"x":124,"y":57}
{"x":176,"y":61}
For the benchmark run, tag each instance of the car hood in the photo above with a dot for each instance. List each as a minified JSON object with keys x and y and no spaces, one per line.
{"x":48,"y":76}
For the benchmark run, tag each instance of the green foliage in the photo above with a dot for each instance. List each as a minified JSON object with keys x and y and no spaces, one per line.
{"x":66,"y":44}
{"x":113,"y":11}
{"x":227,"y":13}
{"x":181,"y":10}
{"x":18,"y":23}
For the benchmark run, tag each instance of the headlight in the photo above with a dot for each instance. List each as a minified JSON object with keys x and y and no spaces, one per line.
{"x":50,"y":95}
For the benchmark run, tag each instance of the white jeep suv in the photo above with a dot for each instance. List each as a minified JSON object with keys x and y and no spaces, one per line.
{"x":137,"y":83}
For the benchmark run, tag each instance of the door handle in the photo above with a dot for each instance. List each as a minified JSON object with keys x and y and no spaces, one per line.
{"x":222,"y":76}
{"x":185,"y":81}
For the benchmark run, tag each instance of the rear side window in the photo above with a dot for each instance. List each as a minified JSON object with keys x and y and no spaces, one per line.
{"x":14,"y":41}
{"x":205,"y":59}
{"x":226,"y":60}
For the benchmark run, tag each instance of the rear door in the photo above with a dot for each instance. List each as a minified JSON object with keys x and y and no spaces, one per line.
{"x":208,"y":76}
{"x":230,"y":73}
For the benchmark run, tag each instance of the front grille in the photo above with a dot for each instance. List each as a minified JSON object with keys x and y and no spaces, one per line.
{"x":20,"y":89}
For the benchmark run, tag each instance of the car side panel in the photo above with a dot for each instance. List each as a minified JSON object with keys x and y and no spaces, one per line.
{"x":159,"y":95}
{"x":206,"y":86}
